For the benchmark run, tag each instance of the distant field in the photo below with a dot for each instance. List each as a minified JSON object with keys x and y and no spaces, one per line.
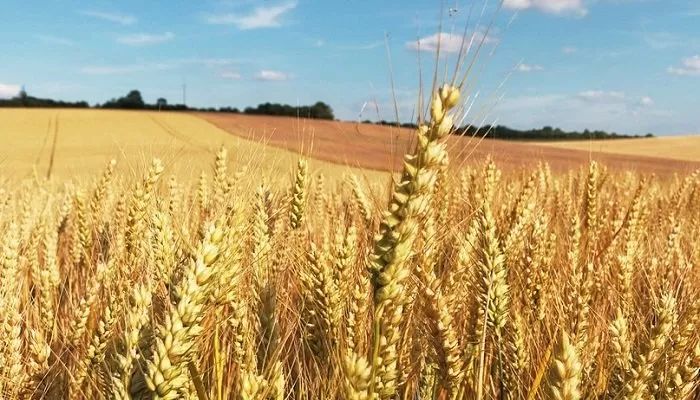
{"x":381,"y":147}
{"x":87,"y":139}
{"x":685,"y":148}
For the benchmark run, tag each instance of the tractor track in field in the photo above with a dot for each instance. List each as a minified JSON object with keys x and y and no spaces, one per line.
{"x":53,"y":146}
{"x":178,"y":135}
{"x":46,"y":140}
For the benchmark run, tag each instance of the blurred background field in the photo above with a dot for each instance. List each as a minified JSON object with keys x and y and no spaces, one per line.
{"x":270,"y":146}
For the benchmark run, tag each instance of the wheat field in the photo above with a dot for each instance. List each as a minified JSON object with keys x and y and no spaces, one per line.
{"x":76,"y":143}
{"x":450,"y":283}
{"x":685,"y":148}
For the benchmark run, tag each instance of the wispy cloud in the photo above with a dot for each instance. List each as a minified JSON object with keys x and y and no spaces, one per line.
{"x":569,"y":50}
{"x":557,"y":7}
{"x":689,"y":67}
{"x":449,"y":42}
{"x":663,"y":40}
{"x":55,"y":40}
{"x":591,"y":109}
{"x":58,"y":87}
{"x":528,"y":68}
{"x":162,"y":65}
{"x":117,"y":17}
{"x":229,"y":74}
{"x":125,"y":69}
{"x":7,"y":90}
{"x":144,"y":39}
{"x":260,"y":17}
{"x":689,"y":13}
{"x":269,"y":75}
{"x":365,"y":46}
{"x":208,"y":62}
{"x":601,"y":96}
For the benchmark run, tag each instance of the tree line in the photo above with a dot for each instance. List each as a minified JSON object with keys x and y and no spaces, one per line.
{"x":544,"y":133}
{"x":134,"y":101}
{"x":25,"y":100}
{"x":320,"y":110}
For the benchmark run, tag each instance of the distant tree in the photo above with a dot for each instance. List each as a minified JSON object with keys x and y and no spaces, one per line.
{"x":133,"y":100}
{"x":229,"y":110}
{"x":321,"y":110}
{"x":23,"y":97}
{"x":162,"y":103}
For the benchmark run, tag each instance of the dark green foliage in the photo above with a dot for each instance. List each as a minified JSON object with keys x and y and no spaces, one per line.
{"x":25,"y":100}
{"x":320,"y":110}
{"x":545,"y":133}
{"x":506,"y":133}
{"x":132,"y":101}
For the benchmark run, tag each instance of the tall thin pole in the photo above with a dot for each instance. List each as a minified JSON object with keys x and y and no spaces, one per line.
{"x":184,"y":92}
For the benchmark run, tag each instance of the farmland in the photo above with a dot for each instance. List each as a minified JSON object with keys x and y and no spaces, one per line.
{"x":175,"y":273}
{"x":271,"y":145}
{"x":185,"y":244}
{"x":677,"y":147}
{"x":382,"y":147}
{"x":86,"y":139}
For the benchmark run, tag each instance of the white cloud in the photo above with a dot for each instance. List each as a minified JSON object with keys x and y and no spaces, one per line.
{"x":557,"y":7}
{"x":569,"y":50}
{"x":230,"y":75}
{"x":646,"y":101}
{"x":7,"y":91}
{"x":690,"y":67}
{"x":448,"y":42}
{"x":319,"y":43}
{"x":119,"y":18}
{"x":268,"y":75}
{"x":260,"y":17}
{"x":49,"y":39}
{"x":692,"y":62}
{"x":144,"y":39}
{"x":528,"y":68}
{"x":601,"y":96}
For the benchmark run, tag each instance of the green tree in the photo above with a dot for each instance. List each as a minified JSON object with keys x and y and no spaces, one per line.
{"x":133,"y":100}
{"x":23,"y":97}
{"x":322,"y":110}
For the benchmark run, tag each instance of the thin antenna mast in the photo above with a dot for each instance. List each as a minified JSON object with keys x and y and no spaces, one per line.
{"x":184,"y":92}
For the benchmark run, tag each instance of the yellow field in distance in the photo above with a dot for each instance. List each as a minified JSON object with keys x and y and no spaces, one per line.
{"x":685,"y":148}
{"x":86,"y":140}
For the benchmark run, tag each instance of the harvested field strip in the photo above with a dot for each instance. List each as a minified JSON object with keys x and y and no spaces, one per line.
{"x":382,"y":147}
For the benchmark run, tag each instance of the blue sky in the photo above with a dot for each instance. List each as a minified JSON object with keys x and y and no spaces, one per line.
{"x":629,"y":66}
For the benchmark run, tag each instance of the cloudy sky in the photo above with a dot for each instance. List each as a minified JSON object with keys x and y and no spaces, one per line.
{"x":631,"y":66}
